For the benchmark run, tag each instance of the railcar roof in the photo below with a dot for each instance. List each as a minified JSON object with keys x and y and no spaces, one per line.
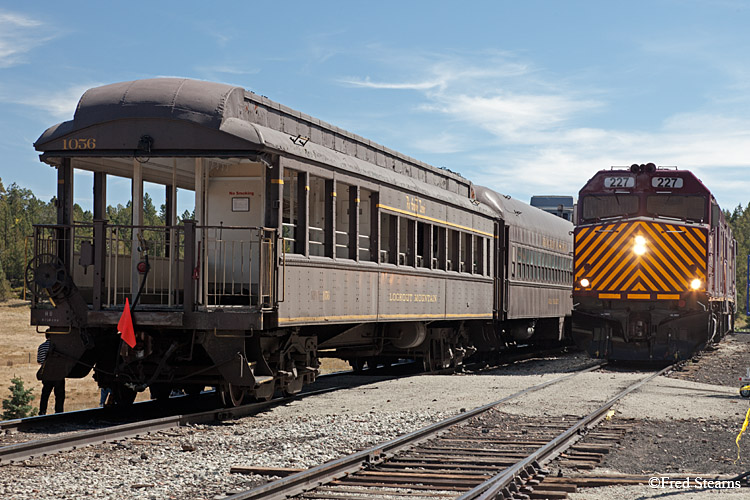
{"x":183,"y":117}
{"x":518,"y":213}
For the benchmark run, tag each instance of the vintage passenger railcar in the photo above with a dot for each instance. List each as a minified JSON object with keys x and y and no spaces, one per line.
{"x":307,"y":241}
{"x":654,"y":265}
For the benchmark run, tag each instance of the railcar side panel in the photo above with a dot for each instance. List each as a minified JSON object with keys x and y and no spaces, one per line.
{"x":468,"y":299}
{"x":321,"y":294}
{"x":529,"y":300}
{"x":406,"y":297}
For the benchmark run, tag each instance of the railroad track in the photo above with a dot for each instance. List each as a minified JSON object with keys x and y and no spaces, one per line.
{"x":112,"y":423}
{"x":475,"y":455}
{"x":70,"y":441}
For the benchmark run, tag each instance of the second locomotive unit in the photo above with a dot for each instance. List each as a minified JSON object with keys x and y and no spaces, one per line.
{"x":307,"y":241}
{"x":654,"y":265}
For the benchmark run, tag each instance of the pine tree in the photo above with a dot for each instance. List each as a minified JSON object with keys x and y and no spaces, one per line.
{"x":18,"y":405}
{"x":5,"y":292}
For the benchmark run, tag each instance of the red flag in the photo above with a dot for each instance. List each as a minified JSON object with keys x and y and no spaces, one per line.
{"x":125,"y":326}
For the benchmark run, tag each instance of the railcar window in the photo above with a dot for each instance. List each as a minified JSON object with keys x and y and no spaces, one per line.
{"x":453,"y":248}
{"x":439,"y":245}
{"x":343,"y":213}
{"x":479,"y":253}
{"x":388,"y":224}
{"x":318,"y":216}
{"x":365,"y":224}
{"x":406,"y":242}
{"x":603,"y":206}
{"x":466,"y":253}
{"x":679,"y":206}
{"x":423,"y":244}
{"x":290,"y":211}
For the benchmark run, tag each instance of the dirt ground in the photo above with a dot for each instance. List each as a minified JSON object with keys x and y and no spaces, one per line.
{"x":19,"y":342}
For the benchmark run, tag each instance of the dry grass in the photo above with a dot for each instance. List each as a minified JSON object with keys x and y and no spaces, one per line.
{"x":19,"y":342}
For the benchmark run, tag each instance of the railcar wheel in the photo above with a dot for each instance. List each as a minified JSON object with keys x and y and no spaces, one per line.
{"x":427,"y":361}
{"x":193,"y":390}
{"x":264,"y":392}
{"x":293,"y":386}
{"x":123,"y":395}
{"x":160,"y":392}
{"x":231,"y":395}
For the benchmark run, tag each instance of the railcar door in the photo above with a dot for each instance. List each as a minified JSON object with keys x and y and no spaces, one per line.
{"x":232,"y":236}
{"x":500,"y":307}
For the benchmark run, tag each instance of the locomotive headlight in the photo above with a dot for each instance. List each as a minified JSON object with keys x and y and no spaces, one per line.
{"x":640,"y":245}
{"x":696,"y":284}
{"x":585,"y":283}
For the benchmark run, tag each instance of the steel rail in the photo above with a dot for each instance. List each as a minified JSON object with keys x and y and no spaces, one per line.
{"x":495,"y":487}
{"x":39,"y":447}
{"x":151,"y":407}
{"x":335,"y":469}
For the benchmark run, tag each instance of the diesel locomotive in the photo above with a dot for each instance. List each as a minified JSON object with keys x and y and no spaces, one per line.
{"x":654,"y":266}
{"x":307,"y":241}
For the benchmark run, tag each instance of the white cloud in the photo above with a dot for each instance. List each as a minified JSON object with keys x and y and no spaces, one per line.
{"x":366,"y":83}
{"x":716,"y":151}
{"x":60,"y":104}
{"x":18,"y":35}
{"x":518,"y":118}
{"x":536,"y":134}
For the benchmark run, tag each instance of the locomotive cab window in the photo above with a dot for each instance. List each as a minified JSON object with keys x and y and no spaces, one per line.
{"x":678,"y":206}
{"x":604,"y":206}
{"x":715,"y":211}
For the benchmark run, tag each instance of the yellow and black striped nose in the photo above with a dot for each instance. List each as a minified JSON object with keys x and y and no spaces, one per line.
{"x":640,"y":260}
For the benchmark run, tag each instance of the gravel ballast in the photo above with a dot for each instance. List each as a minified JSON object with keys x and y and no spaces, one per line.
{"x":688,"y":423}
{"x":194,"y":462}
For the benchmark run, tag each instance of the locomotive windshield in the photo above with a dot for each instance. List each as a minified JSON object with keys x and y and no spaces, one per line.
{"x":605,"y":206}
{"x":679,"y":206}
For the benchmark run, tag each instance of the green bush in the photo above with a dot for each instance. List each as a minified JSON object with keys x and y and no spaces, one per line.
{"x":18,"y":405}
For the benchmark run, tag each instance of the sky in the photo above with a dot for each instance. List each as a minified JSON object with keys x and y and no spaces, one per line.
{"x":527,"y":98}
